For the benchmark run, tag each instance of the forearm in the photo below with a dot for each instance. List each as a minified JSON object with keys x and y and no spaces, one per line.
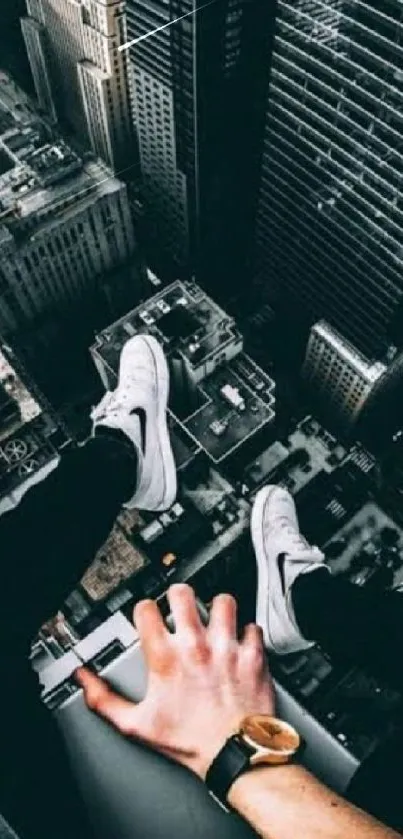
{"x":286,"y":802}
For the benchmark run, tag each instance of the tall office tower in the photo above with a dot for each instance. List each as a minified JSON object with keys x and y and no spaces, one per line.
{"x":329,"y":229}
{"x":80,"y":75}
{"x":198,"y":99}
{"x":341,"y":378}
{"x":64,"y":223}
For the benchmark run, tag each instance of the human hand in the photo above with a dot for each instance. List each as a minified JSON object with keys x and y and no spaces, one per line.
{"x":202,"y":681}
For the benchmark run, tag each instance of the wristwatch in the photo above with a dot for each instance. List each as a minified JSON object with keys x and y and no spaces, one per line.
{"x":258,"y":740}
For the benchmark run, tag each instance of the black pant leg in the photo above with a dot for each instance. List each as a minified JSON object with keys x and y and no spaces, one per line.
{"x":47,"y":543}
{"x":45,"y":546}
{"x":365,"y":628}
{"x":361,"y":626}
{"x":38,"y":793}
{"x":377,"y":784}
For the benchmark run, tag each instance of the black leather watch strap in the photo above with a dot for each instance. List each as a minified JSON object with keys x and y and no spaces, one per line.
{"x":232,"y":760}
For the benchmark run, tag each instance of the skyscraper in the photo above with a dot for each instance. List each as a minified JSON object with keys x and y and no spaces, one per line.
{"x":64,"y":223}
{"x":340,"y":379}
{"x":199,"y":88}
{"x":80,"y":75}
{"x":329,"y":234}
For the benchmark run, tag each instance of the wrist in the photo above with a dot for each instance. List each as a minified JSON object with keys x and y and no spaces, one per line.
{"x":261,"y":780}
{"x":240,"y":789}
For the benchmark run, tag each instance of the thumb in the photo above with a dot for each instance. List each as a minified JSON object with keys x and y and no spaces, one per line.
{"x":105,"y":702}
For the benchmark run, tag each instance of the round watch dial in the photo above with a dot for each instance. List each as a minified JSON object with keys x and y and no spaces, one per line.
{"x":270,"y":733}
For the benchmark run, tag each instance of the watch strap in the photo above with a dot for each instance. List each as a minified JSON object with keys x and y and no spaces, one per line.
{"x":232,"y":760}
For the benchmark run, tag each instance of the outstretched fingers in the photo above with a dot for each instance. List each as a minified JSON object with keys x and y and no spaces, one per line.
{"x":104,"y":701}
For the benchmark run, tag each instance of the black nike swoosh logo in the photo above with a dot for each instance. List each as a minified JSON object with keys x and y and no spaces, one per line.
{"x":281,"y":567}
{"x":140,"y":413}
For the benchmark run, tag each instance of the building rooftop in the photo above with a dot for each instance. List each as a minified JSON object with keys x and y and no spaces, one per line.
{"x":16,"y":389}
{"x":182,"y":317}
{"x":219,"y":397}
{"x":309,"y":451}
{"x":28,"y":432}
{"x":93,"y":179}
{"x":40,"y":175}
{"x":362,"y":535}
{"x":217,"y":426}
{"x":53,"y":161}
{"x":115,"y":562}
{"x":24,"y":199}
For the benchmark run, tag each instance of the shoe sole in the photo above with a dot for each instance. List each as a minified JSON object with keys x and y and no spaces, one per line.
{"x":162,"y":432}
{"x":262,"y":561}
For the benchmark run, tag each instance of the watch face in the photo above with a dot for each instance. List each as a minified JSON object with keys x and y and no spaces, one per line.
{"x":270,"y":733}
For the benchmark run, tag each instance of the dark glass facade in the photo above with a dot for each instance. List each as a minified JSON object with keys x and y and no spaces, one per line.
{"x":329,"y":232}
{"x":210,"y":72}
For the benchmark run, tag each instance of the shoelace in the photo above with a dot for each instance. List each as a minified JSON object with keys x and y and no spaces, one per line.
{"x":296,"y":539}
{"x":117,"y":399}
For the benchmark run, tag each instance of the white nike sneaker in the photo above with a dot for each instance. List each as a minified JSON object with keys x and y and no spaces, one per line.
{"x":143,"y":383}
{"x":282,"y":554}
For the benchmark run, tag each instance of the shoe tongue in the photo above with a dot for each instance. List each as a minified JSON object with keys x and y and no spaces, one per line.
{"x":303,"y":555}
{"x":297,"y":540}
{"x":103,"y":405}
